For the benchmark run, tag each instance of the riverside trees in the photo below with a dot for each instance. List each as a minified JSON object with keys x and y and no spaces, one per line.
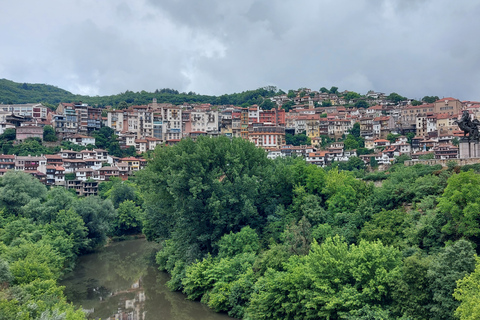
{"x":264,"y":239}
{"x":41,"y":234}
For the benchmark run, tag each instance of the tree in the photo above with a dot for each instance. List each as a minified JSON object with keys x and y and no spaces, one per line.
{"x":455,"y":141}
{"x":395,"y":98}
{"x":361,"y":104}
{"x":331,"y":282}
{"x":17,"y":189}
{"x":350,"y":142}
{"x":268,"y":104}
{"x":416,"y":103}
{"x":195,"y":192}
{"x":122,"y":105}
{"x":49,"y":134}
{"x":324,"y":90}
{"x":468,"y":293}
{"x":98,"y":216}
{"x":410,"y":136}
{"x":460,"y":204}
{"x":326,"y":103}
{"x":333,"y":90}
{"x":291,"y":94}
{"x":9,"y":134}
{"x":386,"y":226}
{"x":430,"y":99}
{"x":452,"y":264}
{"x":298,"y":139}
{"x":351,"y":95}
{"x":355,"y":131}
{"x":392,"y":137}
{"x":411,"y":294}
{"x":287,"y":106}
{"x":244,"y":241}
{"x":128,"y":219}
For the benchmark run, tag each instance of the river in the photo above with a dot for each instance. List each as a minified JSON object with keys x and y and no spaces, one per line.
{"x":121,"y":282}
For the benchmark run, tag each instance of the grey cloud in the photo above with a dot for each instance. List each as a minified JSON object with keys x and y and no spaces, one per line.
{"x":413,"y":47}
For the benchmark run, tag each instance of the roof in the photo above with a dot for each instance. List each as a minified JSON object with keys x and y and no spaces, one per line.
{"x":446,"y":99}
{"x":53,"y":156}
{"x":129,"y":159}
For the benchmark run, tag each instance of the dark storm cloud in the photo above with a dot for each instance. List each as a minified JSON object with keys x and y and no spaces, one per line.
{"x":413,"y":47}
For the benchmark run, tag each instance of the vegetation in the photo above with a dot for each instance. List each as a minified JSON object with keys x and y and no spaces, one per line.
{"x":281,"y":239}
{"x":259,"y":238}
{"x":13,"y":93}
{"x":43,"y":231}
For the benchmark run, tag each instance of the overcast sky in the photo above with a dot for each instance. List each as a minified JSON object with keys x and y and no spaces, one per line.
{"x":102,"y":47}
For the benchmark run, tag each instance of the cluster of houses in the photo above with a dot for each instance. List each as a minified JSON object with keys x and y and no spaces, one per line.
{"x":144,"y":127}
{"x":81,"y":171}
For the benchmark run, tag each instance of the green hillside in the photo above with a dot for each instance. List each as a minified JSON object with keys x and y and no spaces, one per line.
{"x":14,"y":92}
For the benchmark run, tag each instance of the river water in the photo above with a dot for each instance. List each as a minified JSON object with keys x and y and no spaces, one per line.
{"x":121,"y":282}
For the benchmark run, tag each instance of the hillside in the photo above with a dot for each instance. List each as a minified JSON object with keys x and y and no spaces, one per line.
{"x":13,"y":92}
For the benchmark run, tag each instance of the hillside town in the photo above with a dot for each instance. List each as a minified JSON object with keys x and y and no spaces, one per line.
{"x":326,"y":120}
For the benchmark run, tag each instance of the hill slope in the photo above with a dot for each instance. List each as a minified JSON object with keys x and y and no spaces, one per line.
{"x":13,"y":92}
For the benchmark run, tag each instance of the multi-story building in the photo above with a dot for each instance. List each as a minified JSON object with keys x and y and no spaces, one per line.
{"x":267,"y":136}
{"x":26,"y":132}
{"x":37,"y":111}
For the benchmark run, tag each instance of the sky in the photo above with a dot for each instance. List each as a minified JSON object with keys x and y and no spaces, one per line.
{"x":102,"y":47}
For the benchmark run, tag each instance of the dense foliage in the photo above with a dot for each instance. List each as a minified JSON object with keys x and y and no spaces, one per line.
{"x":282,"y":239}
{"x":14,"y":93}
{"x":43,"y":231}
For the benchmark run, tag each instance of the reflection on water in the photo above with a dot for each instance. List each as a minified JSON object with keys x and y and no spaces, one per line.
{"x":121,"y":282}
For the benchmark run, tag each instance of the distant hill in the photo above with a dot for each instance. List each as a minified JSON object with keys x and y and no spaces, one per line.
{"x":13,"y":92}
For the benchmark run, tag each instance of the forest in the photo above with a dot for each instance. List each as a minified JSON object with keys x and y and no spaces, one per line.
{"x":262,"y":239}
{"x":258,"y":238}
{"x":17,"y":93}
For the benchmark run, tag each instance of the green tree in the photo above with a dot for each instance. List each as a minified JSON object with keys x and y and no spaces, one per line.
{"x":333,"y":90}
{"x":287,"y":106}
{"x":128,"y":218}
{"x":350,"y":142}
{"x":98,"y":216}
{"x":9,"y":134}
{"x":386,"y":226}
{"x":351,"y":95}
{"x":453,"y":263}
{"x":49,"y":134}
{"x":122,"y":105}
{"x":355,"y":131}
{"x":195,"y":192}
{"x":430,"y":99}
{"x":395,"y":98}
{"x":411,"y":294}
{"x":17,"y":189}
{"x":291,"y":94}
{"x":246,"y":240}
{"x":416,"y":103}
{"x":468,"y":293}
{"x":456,"y":141}
{"x":460,"y":204}
{"x":326,"y":103}
{"x":268,"y":104}
{"x":324,"y":90}
{"x":392,"y":137}
{"x":333,"y":281}
{"x":361,"y":104}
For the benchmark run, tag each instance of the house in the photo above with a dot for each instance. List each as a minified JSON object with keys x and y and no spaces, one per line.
{"x":25,"y":132}
{"x":81,"y":140}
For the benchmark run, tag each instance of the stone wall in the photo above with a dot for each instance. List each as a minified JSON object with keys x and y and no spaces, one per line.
{"x":460,"y":162}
